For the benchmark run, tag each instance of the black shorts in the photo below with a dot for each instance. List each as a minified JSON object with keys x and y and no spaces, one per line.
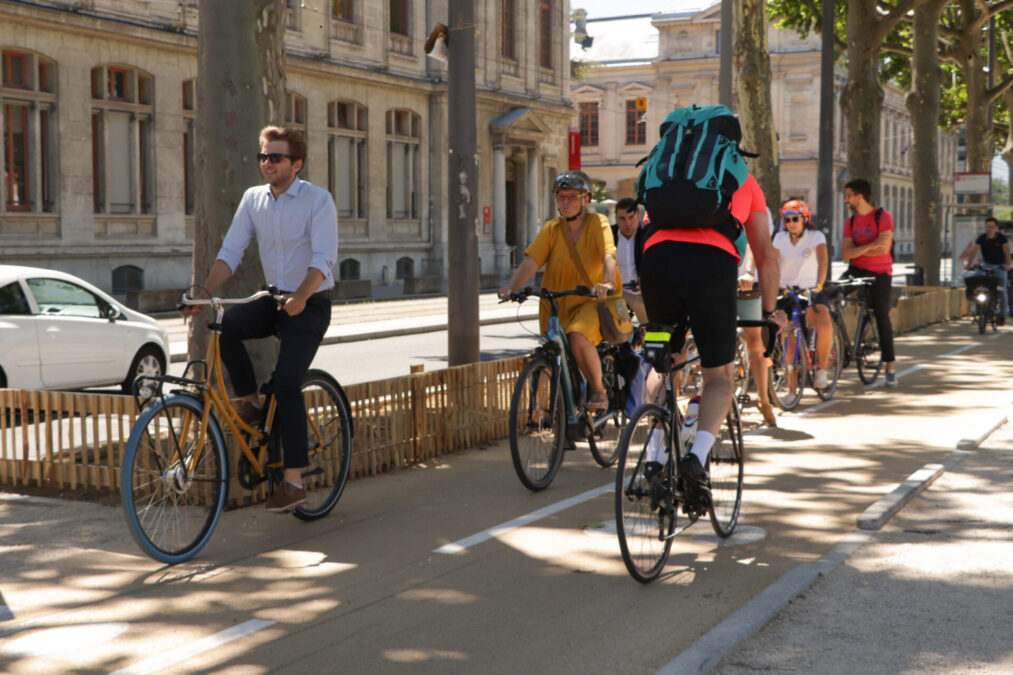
{"x":693,"y":285}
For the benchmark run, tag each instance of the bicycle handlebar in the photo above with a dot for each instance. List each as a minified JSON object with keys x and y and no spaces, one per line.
{"x":526,"y":292}
{"x":266,"y":291}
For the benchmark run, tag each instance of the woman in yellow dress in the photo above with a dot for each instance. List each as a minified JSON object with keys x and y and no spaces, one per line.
{"x":592,"y":237}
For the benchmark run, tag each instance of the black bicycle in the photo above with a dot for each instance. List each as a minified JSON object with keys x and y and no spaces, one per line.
{"x":864,"y":348}
{"x":647,"y":508}
{"x":545,"y":410}
{"x":984,"y":296}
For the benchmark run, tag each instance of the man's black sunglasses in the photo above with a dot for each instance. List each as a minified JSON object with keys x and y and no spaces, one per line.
{"x":272,"y":157}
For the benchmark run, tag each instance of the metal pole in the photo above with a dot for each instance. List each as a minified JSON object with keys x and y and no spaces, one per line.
{"x":725,"y":72}
{"x":825,"y":162}
{"x":462,"y":247}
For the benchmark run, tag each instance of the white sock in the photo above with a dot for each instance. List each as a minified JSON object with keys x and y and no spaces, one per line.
{"x":702,"y":445}
{"x":656,"y":446}
{"x":295,"y":485}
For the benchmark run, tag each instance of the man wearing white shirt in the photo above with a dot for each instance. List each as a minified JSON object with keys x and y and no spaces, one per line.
{"x":296,"y":227}
{"x":629,"y":239}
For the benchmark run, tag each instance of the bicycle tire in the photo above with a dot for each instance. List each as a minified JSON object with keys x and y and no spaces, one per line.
{"x":604,"y":440}
{"x":742,"y":378}
{"x":329,"y":423}
{"x":536,"y":441}
{"x":691,"y":377}
{"x":645,"y":533}
{"x":778,"y":375}
{"x":842,"y":337}
{"x":868,"y":357}
{"x":833,"y":368}
{"x":725,"y":470}
{"x":172,"y":515}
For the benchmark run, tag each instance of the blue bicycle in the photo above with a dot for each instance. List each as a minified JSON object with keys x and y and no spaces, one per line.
{"x":794,"y":361}
{"x":545,"y":410}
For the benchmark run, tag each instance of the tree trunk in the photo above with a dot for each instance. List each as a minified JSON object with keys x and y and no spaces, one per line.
{"x":923,"y":104}
{"x":240,"y":89}
{"x":977,"y":122}
{"x":862,"y":97}
{"x":751,"y":62}
{"x":1007,"y":150}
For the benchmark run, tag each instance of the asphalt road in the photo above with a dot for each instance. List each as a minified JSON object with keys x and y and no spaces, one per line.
{"x":534,"y":582}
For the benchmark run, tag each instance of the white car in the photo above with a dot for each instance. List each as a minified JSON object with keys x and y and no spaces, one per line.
{"x":59,"y":332}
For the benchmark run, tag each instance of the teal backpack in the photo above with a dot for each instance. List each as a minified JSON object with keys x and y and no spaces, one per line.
{"x":690,"y":175}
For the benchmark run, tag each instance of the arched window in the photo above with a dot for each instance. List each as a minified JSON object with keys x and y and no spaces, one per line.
{"x":404,"y":131}
{"x":347,"y":154}
{"x":348,"y":270}
{"x":121,"y":124}
{"x":405,"y":268}
{"x":27,"y":104}
{"x":127,"y":278}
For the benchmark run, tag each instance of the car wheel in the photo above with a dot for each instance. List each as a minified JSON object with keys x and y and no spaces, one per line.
{"x":149,"y":361}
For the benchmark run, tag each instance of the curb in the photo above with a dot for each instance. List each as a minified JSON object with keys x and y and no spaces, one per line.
{"x":720,"y":641}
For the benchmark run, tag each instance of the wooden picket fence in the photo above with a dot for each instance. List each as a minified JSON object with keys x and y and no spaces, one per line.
{"x":76,"y":441}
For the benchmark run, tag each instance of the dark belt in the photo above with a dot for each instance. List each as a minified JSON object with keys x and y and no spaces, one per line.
{"x":326,"y":293}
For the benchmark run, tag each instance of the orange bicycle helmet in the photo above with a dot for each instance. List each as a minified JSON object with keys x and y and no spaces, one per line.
{"x":796,"y":207}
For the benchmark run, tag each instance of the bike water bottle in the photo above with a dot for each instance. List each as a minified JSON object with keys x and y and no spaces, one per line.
{"x":689,"y":422}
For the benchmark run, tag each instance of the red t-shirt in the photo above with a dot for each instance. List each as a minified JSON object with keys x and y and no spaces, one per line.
{"x":862,"y":230}
{"x":748,"y":198}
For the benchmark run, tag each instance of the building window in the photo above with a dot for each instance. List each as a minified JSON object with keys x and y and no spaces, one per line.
{"x":545,"y":33}
{"x":636,"y":128}
{"x":589,"y":124}
{"x":295,"y":118}
{"x":189,"y":134}
{"x":403,"y":140}
{"x":405,"y":268}
{"x":347,"y":148}
{"x":127,"y":279}
{"x":121,"y":140}
{"x":292,"y":14}
{"x":342,"y":9}
{"x":348,"y":270}
{"x":27,"y":105}
{"x":508,"y":23}
{"x":399,"y":17}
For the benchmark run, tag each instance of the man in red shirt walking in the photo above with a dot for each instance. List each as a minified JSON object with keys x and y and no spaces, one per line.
{"x":866,"y":245}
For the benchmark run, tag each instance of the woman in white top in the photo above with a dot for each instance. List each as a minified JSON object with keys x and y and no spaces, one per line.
{"x":802,"y":257}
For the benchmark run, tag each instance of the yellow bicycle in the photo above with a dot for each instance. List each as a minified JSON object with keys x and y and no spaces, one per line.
{"x":175,"y":474}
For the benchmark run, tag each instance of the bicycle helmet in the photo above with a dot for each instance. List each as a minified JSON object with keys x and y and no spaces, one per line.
{"x":796,"y":207}
{"x":572,"y":180}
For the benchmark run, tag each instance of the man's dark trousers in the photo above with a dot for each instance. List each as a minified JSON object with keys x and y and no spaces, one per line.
{"x":300,"y":337}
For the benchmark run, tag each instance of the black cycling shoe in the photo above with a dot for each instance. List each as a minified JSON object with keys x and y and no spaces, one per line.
{"x":696,"y":483}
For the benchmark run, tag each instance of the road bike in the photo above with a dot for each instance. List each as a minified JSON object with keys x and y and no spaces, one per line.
{"x":647,"y":508}
{"x":863,"y":348}
{"x":545,"y":410}
{"x":981,"y":285}
{"x":175,"y":476}
{"x":794,"y":361}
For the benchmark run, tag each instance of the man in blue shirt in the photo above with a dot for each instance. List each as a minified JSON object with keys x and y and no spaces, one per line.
{"x":296,"y":227}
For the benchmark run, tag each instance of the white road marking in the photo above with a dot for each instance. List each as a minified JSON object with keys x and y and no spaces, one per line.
{"x":191,"y":649}
{"x":63,"y":640}
{"x":463,"y":544}
{"x":963,"y":349}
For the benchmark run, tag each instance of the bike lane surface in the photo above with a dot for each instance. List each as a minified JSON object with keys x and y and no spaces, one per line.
{"x":364,"y":590}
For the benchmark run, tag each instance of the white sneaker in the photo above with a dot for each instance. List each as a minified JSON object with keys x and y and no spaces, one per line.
{"x":820,"y":379}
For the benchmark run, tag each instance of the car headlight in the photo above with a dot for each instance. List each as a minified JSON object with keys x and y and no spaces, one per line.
{"x":981,"y":297}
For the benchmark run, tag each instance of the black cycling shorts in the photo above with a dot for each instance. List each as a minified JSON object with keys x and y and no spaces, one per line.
{"x":693,"y":285}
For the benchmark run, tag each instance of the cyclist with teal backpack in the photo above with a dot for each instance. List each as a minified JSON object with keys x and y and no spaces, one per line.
{"x":703,"y":205}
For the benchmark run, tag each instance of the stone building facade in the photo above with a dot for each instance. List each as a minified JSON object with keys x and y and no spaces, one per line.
{"x":672,"y":59}
{"x":98,"y":110}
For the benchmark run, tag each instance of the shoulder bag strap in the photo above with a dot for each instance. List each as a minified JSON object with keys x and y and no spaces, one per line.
{"x":568,"y":238}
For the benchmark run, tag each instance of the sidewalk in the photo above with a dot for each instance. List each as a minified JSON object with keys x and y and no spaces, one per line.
{"x":930,"y":592}
{"x":383,"y":318}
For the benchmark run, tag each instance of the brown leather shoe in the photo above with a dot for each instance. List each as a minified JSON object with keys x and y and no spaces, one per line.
{"x":598,"y":400}
{"x":250,"y":413}
{"x":285,"y":498}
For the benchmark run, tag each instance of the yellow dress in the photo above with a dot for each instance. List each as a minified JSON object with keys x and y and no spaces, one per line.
{"x":576,"y":313}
